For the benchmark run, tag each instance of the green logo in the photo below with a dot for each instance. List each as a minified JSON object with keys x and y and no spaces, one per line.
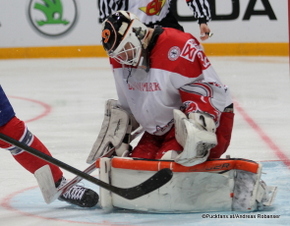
{"x":52,"y":17}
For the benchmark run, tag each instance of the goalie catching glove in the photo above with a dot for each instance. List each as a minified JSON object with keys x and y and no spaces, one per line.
{"x":196,"y":134}
{"x":115,"y":132}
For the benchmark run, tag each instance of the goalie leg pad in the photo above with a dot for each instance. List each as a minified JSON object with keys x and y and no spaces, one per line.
{"x":105,"y":195}
{"x":190,"y":191}
{"x":250,"y":193}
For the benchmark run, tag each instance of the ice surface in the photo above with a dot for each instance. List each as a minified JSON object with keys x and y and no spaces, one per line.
{"x":63,"y":100}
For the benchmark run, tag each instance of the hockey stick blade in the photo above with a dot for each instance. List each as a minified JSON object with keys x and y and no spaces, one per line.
{"x":48,"y":196}
{"x":47,"y":186}
{"x":156,"y":181}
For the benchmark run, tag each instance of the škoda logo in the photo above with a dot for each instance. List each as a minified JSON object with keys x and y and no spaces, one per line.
{"x":52,"y":17}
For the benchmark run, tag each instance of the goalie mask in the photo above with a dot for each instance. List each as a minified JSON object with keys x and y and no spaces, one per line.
{"x":122,"y":35}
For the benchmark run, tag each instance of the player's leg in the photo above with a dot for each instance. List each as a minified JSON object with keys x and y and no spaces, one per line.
{"x":147,"y":147}
{"x":224,"y":132}
{"x":15,"y":128}
{"x":169,"y":144}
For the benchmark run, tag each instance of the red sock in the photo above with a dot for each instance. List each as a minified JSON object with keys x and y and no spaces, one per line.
{"x":16,"y":129}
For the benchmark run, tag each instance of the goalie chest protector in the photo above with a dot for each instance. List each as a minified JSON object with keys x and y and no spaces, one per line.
{"x":215,"y":185}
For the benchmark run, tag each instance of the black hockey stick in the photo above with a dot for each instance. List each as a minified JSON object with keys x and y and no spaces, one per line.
{"x":156,"y":181}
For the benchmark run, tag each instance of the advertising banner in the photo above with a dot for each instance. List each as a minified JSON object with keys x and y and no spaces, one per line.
{"x":71,"y":28}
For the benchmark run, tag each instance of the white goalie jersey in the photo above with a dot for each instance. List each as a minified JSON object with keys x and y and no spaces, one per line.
{"x":177,"y":68}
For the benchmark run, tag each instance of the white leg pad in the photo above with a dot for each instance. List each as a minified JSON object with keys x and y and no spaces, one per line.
{"x":250,"y":193}
{"x":228,"y":190}
{"x":105,"y":175}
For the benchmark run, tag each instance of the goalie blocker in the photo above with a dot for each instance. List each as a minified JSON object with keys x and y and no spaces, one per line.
{"x":215,"y":185}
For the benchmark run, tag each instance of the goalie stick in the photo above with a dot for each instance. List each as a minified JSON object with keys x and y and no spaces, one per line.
{"x":156,"y":181}
{"x":47,"y":185}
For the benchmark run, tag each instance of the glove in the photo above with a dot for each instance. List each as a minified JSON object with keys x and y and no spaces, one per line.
{"x":196,"y":134}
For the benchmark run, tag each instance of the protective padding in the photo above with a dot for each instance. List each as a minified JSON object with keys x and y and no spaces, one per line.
{"x":112,"y":133}
{"x":216,"y":185}
{"x":195,"y":140}
{"x":106,"y":197}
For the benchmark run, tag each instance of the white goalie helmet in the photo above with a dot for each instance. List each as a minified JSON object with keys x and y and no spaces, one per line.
{"x":122,"y":35}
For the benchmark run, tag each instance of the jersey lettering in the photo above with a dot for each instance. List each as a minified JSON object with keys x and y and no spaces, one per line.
{"x":190,"y":50}
{"x":145,"y":86}
{"x":204,"y":60}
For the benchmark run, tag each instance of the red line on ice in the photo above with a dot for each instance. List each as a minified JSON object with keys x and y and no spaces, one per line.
{"x":271,"y":144}
{"x":47,"y":108}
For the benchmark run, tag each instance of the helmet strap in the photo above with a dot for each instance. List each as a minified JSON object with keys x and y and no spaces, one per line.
{"x":144,"y":60}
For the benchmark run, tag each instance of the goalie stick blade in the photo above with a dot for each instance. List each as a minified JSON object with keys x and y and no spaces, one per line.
{"x":153,"y":183}
{"x":156,"y":181}
{"x":46,"y":184}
